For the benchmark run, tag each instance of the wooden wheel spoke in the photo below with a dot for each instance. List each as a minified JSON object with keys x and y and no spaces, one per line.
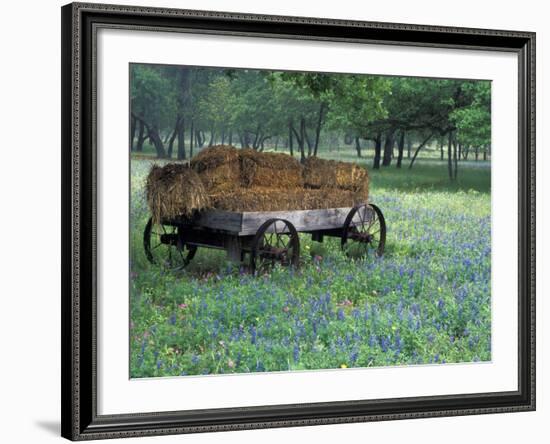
{"x":372,"y":222}
{"x":285,"y":244}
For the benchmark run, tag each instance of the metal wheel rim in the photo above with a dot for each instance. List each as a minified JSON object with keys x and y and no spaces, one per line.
{"x":359,"y":225}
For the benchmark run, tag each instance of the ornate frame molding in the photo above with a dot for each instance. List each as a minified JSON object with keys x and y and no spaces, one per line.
{"x":79,"y":395}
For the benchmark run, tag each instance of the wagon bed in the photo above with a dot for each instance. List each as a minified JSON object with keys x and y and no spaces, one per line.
{"x":247,"y":223}
{"x":264,"y":237}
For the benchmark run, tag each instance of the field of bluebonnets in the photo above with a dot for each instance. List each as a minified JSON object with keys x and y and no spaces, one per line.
{"x":427,"y":301}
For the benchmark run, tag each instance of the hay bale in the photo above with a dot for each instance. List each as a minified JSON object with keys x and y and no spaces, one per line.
{"x":174,"y":190}
{"x":362,"y":192}
{"x":272,"y":199}
{"x":274,"y":170}
{"x":322,"y":173}
{"x":218,"y":167}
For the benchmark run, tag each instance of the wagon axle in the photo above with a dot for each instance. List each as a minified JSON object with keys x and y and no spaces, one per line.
{"x":360,"y":237}
{"x":169,"y":239}
{"x":273,"y":253}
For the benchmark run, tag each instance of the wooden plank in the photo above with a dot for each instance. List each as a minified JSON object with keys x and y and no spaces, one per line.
{"x":303,"y":220}
{"x":247,"y":223}
{"x":329,"y":221}
{"x":227,"y":221}
{"x":233,"y":248}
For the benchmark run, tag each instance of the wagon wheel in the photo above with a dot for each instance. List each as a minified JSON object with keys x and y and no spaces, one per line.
{"x":275,"y":241}
{"x":364,"y":231}
{"x":163,"y":245}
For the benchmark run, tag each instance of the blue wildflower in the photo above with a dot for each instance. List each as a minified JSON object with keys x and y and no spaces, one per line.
{"x":296,"y":353}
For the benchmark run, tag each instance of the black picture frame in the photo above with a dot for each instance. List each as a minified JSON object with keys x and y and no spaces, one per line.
{"x":78,"y":332}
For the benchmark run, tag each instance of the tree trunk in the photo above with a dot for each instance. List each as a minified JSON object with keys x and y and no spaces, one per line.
{"x":290,"y":139}
{"x":185,"y":103}
{"x":230,"y":142}
{"x":201,"y":138}
{"x":400,"y":147}
{"x":257,"y":138}
{"x":485,"y":154}
{"x":418,"y":150}
{"x":154,"y":136}
{"x":455,"y":159}
{"x":182,"y":155}
{"x":477,"y":153}
{"x":141,"y":137}
{"x":302,"y":140}
{"x":322,"y":110}
{"x":173,"y":137}
{"x":388,"y":148}
{"x":132,"y":132}
{"x":191,"y":139}
{"x":212,"y":134}
{"x":449,"y":155}
{"x":377,"y":150}
{"x":309,"y":143}
{"x":223,"y":136}
{"x":358,"y":147}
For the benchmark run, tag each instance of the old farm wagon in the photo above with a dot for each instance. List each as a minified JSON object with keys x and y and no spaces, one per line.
{"x":254,"y":205}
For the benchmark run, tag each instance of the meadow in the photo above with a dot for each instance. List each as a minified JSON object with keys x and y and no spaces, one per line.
{"x":427,"y":301}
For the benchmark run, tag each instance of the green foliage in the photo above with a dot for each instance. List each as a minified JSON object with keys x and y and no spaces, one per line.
{"x":217,"y":108}
{"x":259,"y":106}
{"x":474,"y":120}
{"x":152,"y":95}
{"x":358,"y":100}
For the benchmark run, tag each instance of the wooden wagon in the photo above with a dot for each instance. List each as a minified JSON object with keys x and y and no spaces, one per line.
{"x":261,"y":239}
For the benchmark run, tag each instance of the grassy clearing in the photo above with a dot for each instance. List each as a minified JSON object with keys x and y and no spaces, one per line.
{"x":426,"y":301}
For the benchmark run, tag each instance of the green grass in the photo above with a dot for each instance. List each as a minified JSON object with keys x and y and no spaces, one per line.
{"x":426,"y":301}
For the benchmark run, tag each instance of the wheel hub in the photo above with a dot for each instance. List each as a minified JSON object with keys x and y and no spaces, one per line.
{"x":360,"y":237}
{"x":273,"y":253}
{"x":169,"y":238}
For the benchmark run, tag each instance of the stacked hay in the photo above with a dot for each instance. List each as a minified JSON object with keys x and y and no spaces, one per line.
{"x":174,"y":190}
{"x":274,"y":170}
{"x":229,"y":179}
{"x":218,"y":167}
{"x":270,"y":199}
{"x":322,"y":173}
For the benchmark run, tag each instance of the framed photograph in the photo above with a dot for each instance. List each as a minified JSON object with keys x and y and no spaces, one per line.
{"x":276,"y":221}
